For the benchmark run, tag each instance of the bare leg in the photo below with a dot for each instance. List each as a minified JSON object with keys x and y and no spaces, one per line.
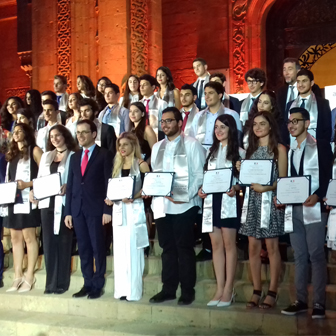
{"x":18,"y":252}
{"x":218,"y":259}
{"x":229,"y":239}
{"x":255,"y":265}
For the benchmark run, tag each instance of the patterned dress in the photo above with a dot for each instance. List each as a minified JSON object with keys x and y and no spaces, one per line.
{"x":252,"y":226}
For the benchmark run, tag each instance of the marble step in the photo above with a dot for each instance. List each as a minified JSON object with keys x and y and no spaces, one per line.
{"x":205,"y":288}
{"x":36,"y":314}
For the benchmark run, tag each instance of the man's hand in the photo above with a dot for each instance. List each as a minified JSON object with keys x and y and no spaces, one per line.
{"x":108,"y":202}
{"x":63,"y":190}
{"x":201,"y":193}
{"x":21,"y":185}
{"x":107,"y":219}
{"x":311,"y":200}
{"x":68,"y":222}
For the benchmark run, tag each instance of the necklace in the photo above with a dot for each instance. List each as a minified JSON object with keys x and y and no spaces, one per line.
{"x":60,"y":152}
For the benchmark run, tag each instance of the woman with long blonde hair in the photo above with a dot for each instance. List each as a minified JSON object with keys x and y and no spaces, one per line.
{"x":130,"y":235}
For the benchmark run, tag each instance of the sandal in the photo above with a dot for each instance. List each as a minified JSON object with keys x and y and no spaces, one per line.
{"x":29,"y":286}
{"x":253,"y":304}
{"x":272,"y":294}
{"x":14,"y":287}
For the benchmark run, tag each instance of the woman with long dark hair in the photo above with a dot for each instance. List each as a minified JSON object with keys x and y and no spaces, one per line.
{"x":132,"y":92}
{"x":167,"y":90}
{"x":25,"y":116}
{"x":262,"y":219}
{"x":23,"y":159}
{"x":8,"y":112}
{"x":221,"y":213}
{"x":99,"y":98}
{"x":85,"y":86}
{"x":144,"y":133}
{"x":73,"y":113}
{"x":57,"y":238}
{"x":33,"y":103}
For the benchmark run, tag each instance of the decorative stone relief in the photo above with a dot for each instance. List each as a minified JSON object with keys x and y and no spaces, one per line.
{"x":313,"y":53}
{"x":19,"y":92}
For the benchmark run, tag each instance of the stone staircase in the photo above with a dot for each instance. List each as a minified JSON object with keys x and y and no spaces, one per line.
{"x":36,"y":314}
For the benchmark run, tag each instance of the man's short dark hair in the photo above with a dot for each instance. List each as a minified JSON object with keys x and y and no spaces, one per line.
{"x":49,"y":93}
{"x":220,"y":75}
{"x":114,"y":87}
{"x":51,"y":102}
{"x":200,"y":59}
{"x":306,"y":72}
{"x":175,"y":110}
{"x":62,"y":78}
{"x":89,"y":101}
{"x":189,"y":87}
{"x":257,"y":74}
{"x":292,"y":60}
{"x":92,"y":125}
{"x":152,"y":80}
{"x":305,"y":114}
{"x":219,"y":88}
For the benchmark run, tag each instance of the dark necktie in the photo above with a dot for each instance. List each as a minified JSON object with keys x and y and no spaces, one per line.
{"x":185,"y":120}
{"x":253,"y":99}
{"x":201,"y":92}
{"x":147,"y":111}
{"x":303,"y":104}
{"x":85,"y":161}
{"x":291,"y":95}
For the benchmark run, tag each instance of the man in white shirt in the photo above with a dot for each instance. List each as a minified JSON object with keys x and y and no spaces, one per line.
{"x":188,"y":96}
{"x":175,"y":216}
{"x":154,"y":105}
{"x":114,"y":114}
{"x":201,"y":70}
{"x":50,"y":113}
{"x":60,"y":86}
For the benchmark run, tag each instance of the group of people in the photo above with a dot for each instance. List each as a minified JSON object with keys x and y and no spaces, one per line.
{"x":93,"y":135}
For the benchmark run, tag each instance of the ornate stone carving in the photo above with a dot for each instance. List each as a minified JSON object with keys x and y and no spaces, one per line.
{"x":239,"y":10}
{"x":139,"y":37}
{"x":19,"y":92}
{"x":313,"y":53}
{"x":64,"y":39}
{"x":26,"y":62}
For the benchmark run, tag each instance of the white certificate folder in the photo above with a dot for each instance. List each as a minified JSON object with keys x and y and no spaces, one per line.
{"x":159,"y":184}
{"x":217,"y":181}
{"x":331,"y":194}
{"x":8,"y":193}
{"x":293,"y":190}
{"x":47,"y":186}
{"x":256,"y":171}
{"x":121,"y":187}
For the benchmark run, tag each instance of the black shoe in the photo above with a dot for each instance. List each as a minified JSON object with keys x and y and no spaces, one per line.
{"x":83,"y":292}
{"x":295,"y":308}
{"x":1,"y":283}
{"x":95,"y":294}
{"x":122,"y":298}
{"x":161,"y":297}
{"x":318,"y":311}
{"x":60,"y":291}
{"x":204,"y":255}
{"x":48,"y":291}
{"x":185,"y":300}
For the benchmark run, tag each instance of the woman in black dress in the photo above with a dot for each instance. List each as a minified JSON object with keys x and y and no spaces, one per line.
{"x":57,"y":238}
{"x":222,"y":209}
{"x":23,"y":159}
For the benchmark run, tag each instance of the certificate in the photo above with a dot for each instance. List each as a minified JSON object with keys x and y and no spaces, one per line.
{"x":331,"y":194}
{"x":293,"y":190}
{"x":256,"y":171}
{"x":8,"y":193}
{"x":121,"y":187}
{"x":158,"y":184}
{"x":217,"y":181}
{"x":47,"y":186}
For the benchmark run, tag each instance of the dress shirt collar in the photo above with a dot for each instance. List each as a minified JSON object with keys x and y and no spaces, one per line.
{"x":294,"y":146}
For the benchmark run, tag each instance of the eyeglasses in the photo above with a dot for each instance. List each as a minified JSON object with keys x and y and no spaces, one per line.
{"x":166,"y":121}
{"x":294,"y":121}
{"x":82,"y":133}
{"x":252,"y":82}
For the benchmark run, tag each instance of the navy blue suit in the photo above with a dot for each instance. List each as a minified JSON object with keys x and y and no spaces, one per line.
{"x":85,"y":197}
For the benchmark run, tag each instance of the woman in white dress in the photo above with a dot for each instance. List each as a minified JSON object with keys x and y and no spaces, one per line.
{"x":73,"y":113}
{"x":130,"y":235}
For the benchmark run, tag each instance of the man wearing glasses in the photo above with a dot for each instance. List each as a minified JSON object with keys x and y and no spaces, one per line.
{"x":256,"y":82}
{"x":306,"y":222}
{"x":175,"y":216}
{"x":85,"y":209}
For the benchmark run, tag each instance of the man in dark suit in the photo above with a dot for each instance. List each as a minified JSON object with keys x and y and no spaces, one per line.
{"x":289,"y":91}
{"x":85,"y":209}
{"x":201,"y":71}
{"x":318,"y":108}
{"x":228,"y":101}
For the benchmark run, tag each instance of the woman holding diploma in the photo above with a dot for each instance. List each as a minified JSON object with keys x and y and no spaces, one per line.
{"x":23,"y":159}
{"x":220,"y":212}
{"x":260,"y":218}
{"x":130,"y":235}
{"x":57,"y":238}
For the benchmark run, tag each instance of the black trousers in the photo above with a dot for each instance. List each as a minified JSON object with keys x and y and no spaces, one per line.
{"x":176,"y":238}
{"x":91,"y":244}
{"x":57,"y":251}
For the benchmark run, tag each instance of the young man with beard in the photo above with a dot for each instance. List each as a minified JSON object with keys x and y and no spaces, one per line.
{"x":305,"y":222}
{"x":188,"y":96}
{"x":175,"y":216}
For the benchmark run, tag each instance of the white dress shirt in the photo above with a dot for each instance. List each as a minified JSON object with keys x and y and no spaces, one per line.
{"x":295,"y":90}
{"x":297,"y":153}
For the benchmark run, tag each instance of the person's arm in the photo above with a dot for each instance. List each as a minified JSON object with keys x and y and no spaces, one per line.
{"x":144,"y":168}
{"x":111,"y":140}
{"x":177,"y":98}
{"x":150,"y":136}
{"x":37,"y":154}
{"x":327,"y":128}
{"x":107,"y":174}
